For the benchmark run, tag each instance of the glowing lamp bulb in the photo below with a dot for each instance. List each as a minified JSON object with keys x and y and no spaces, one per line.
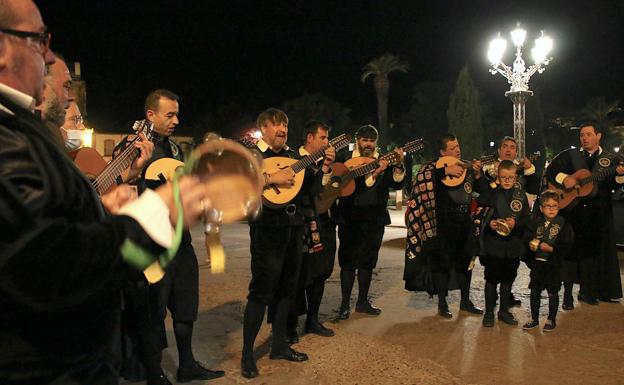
{"x":497,"y":48}
{"x":517,"y":36}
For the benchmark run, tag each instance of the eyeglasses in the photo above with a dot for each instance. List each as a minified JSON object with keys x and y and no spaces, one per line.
{"x":507,"y":178}
{"x":41,"y":38}
{"x":76,"y":119}
{"x":552,"y":207}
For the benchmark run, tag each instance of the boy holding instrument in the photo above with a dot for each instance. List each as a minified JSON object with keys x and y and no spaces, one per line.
{"x":551,"y":239}
{"x":502,"y":246}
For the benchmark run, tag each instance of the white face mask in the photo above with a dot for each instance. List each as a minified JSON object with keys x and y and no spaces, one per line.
{"x":74,"y":139}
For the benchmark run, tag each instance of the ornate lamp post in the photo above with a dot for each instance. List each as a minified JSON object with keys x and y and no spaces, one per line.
{"x":519,"y":75}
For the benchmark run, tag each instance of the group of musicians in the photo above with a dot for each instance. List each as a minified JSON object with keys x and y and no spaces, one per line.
{"x":67,"y":254}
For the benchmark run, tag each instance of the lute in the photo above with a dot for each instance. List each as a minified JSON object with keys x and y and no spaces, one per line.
{"x":277,"y":196}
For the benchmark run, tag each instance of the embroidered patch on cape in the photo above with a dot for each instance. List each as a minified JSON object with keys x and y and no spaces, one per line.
{"x":516,"y":205}
{"x":604,"y":162}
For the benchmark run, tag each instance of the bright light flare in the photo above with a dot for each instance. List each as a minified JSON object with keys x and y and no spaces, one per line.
{"x":616,"y":149}
{"x":87,"y":137}
{"x":497,"y":49}
{"x":518,"y":36}
{"x":256,"y":134}
{"x":543,"y":46}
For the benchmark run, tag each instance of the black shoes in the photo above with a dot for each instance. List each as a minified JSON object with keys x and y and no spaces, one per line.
{"x":444,"y":312}
{"x":470,"y":308}
{"x":198,"y":372}
{"x":488,"y":320}
{"x":530,"y":325}
{"x":514,"y":302}
{"x":367,"y":308}
{"x":568,"y":306}
{"x":344,"y":312}
{"x":587,"y":299}
{"x":289,"y":354}
{"x":550,"y":326}
{"x":320,"y":330}
{"x":159,"y":380}
{"x":507,"y":317}
{"x":249,"y":368}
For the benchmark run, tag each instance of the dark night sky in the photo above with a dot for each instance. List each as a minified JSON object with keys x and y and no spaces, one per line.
{"x":259,"y":53}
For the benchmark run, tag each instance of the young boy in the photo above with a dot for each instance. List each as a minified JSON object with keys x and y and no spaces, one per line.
{"x":502,"y":241}
{"x":551,"y":239}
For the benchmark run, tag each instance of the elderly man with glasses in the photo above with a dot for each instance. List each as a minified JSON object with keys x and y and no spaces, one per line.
{"x":62,"y":263}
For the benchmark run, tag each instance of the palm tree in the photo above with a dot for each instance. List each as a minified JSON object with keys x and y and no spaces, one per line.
{"x":380,"y":68}
{"x":598,"y":109}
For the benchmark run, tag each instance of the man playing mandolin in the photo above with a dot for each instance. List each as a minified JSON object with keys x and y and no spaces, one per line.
{"x":585,"y":178}
{"x":439,"y":224}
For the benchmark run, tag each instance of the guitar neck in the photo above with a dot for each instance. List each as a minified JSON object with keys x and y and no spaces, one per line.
{"x":108,"y":177}
{"x":308,"y":160}
{"x":338,"y":142}
{"x":598,"y":176}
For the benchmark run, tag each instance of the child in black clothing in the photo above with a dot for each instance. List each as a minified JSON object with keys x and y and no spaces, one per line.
{"x":551,"y":239}
{"x":502,"y":241}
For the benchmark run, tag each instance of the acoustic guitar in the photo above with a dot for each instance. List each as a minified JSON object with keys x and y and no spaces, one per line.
{"x":277,"y":196}
{"x":342,"y":183}
{"x":586,"y":186}
{"x":104,"y":175}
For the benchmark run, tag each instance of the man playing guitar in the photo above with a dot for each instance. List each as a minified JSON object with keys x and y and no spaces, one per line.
{"x":364,"y":216}
{"x":596,"y":265}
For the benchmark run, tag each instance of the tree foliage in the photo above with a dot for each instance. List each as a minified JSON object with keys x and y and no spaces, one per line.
{"x":464,"y":115}
{"x":318,"y":107}
{"x":379,"y":69}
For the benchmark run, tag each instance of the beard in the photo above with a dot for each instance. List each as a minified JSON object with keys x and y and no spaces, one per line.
{"x":53,"y":112}
{"x":367,"y":152}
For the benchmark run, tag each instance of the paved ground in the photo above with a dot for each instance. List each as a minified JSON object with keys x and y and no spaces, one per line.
{"x":407,"y":343}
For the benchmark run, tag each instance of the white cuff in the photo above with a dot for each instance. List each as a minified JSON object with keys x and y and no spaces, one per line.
{"x":327,"y":177}
{"x":619,"y":179}
{"x":560,"y":177}
{"x":530,"y":170}
{"x":398,"y":174}
{"x":153,"y":216}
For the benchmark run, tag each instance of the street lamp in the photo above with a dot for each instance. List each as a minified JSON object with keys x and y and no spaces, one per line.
{"x":519,"y":75}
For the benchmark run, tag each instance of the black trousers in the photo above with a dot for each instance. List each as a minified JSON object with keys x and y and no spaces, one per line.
{"x":275,"y":262}
{"x":359,"y":245}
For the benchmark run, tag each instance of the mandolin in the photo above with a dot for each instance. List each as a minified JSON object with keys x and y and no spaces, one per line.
{"x":452,"y":181}
{"x":277,"y":196}
{"x":342,"y":183}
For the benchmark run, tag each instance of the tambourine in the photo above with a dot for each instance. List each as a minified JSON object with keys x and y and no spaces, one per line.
{"x":232,"y":175}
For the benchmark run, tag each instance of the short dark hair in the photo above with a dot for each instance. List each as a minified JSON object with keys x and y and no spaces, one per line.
{"x":444,"y":139}
{"x":368,"y":131}
{"x":590,"y":123}
{"x":508,"y":139}
{"x":152,"y":100}
{"x":506,"y":165}
{"x":272,"y":115}
{"x":311,"y":127}
{"x":548,"y":194}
